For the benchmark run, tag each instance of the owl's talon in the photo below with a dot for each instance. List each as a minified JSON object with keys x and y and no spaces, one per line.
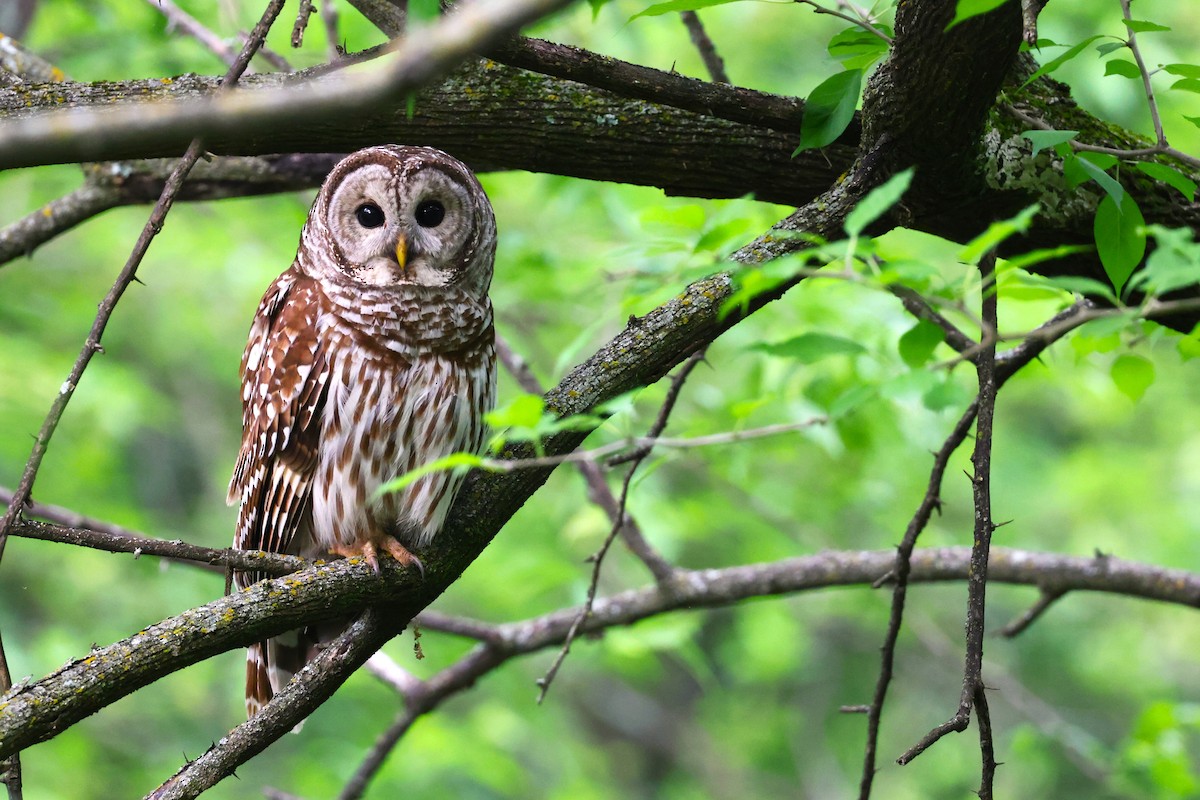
{"x":371,"y":550}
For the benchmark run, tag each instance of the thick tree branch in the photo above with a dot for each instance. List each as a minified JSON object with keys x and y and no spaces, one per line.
{"x":314,"y":684}
{"x":78,"y":135}
{"x":33,"y":712}
{"x":483,"y":113}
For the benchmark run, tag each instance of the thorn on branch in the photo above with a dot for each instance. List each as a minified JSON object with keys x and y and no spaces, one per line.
{"x":1032,"y":614}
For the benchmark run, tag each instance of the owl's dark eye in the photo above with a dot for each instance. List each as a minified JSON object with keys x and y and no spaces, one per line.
{"x":430,"y":213}
{"x":369,"y":215}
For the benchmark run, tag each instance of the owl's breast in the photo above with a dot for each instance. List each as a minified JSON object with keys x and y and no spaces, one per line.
{"x":385,"y":418}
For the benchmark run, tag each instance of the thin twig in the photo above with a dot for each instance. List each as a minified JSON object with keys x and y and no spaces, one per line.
{"x":268,"y":55}
{"x":1047,"y":598}
{"x":10,"y":768}
{"x":597,"y":487}
{"x":901,"y":574}
{"x":660,"y":423}
{"x":72,"y":519}
{"x":1137,"y":153}
{"x":114,"y":539}
{"x":916,"y":305}
{"x":641,"y":446}
{"x":856,"y":16}
{"x":1034,"y":345}
{"x":185,"y":23}
{"x":459,"y":626}
{"x":704,"y":45}
{"x":1159,"y":137}
{"x":987,"y":747}
{"x":302,"y":14}
{"x":333,"y":36}
{"x":981,"y":461}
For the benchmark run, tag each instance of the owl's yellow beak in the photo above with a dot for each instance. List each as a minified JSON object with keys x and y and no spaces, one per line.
{"x":402,"y":251}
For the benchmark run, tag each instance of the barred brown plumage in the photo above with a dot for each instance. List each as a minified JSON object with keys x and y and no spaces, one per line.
{"x":372,"y":355}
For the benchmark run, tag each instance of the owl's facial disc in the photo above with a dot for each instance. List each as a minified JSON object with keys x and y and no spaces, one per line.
{"x":398,"y":226}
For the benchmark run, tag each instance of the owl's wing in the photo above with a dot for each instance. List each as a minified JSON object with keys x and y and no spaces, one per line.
{"x":284,"y":375}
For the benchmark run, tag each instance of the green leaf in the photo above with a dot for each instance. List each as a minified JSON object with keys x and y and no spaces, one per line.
{"x":1120,"y":238}
{"x":658,"y":9}
{"x":1133,"y":375}
{"x":829,"y":109}
{"x":523,"y":411}
{"x":918,"y":343}
{"x":1170,"y":176}
{"x":454,"y":461}
{"x":1102,"y":160}
{"x":856,"y":43}
{"x":1144,"y":26}
{"x":596,"y":6}
{"x":1076,"y":285}
{"x":1087,"y":167}
{"x":1119,"y":66}
{"x":996,"y":233}
{"x":1174,"y":262}
{"x":1187,"y":85}
{"x":1194,"y":120}
{"x":1043,"y":139}
{"x":852,"y":399}
{"x":1109,"y":47}
{"x":1183,"y":70}
{"x":808,"y":348}
{"x":1026,"y":260}
{"x":966,"y":9}
{"x":1055,"y":63}
{"x":878,"y":201}
{"x":946,"y":394}
{"x":1188,"y":347}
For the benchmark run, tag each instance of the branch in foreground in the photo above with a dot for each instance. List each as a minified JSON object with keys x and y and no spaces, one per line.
{"x":34,"y":712}
{"x":79,"y":135}
{"x":314,"y":684}
{"x":499,"y":643}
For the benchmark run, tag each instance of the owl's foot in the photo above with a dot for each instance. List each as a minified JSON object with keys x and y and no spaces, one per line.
{"x":373,"y":547}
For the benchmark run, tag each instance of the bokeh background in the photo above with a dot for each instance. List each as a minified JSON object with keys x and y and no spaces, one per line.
{"x":1100,"y":699}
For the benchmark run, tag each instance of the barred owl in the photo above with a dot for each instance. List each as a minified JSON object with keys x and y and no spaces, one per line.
{"x":371,"y":355}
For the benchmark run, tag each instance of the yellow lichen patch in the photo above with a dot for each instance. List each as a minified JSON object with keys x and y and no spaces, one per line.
{"x":47,"y":211}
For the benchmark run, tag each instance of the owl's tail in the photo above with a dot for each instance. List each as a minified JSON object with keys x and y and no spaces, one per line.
{"x":271,"y":664}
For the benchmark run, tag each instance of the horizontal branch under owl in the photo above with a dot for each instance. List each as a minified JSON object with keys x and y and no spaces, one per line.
{"x":79,"y":688}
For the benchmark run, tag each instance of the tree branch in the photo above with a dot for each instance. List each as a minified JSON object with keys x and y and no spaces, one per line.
{"x":118,"y":541}
{"x":112,"y":184}
{"x":76,"y":135}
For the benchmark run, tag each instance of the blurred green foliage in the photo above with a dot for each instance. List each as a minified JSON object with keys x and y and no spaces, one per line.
{"x":1096,"y":700}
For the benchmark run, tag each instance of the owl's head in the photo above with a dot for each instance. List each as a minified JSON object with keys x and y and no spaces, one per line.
{"x":393,"y":215}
